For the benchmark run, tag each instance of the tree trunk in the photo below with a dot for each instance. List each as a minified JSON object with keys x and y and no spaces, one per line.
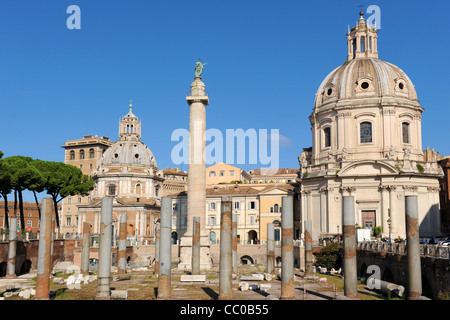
{"x":5,"y":196}
{"x":56,"y":212}
{"x":22,"y":218}
{"x":37,"y":204}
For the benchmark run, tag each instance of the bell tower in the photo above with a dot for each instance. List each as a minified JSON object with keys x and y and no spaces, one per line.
{"x":362,"y":40}
{"x":130,"y":126}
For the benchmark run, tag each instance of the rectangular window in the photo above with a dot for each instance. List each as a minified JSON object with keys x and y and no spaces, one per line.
{"x":222,"y":173}
{"x":252,"y":205}
{"x":365,"y":129}
{"x":212,"y":174}
{"x":174,"y":207}
{"x":405,"y":132}
{"x":69,"y":200}
{"x":252,"y":220}
{"x":68,"y":221}
{"x":212,"y":221}
{"x":327,"y":136}
{"x":212,"y":206}
{"x":231,"y":173}
{"x":236,"y":205}
{"x":29,"y":222}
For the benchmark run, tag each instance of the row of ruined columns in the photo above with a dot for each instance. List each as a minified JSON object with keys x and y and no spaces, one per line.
{"x":228,"y":252}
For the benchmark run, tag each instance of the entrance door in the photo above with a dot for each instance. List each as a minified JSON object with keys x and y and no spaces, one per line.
{"x":368,"y":219}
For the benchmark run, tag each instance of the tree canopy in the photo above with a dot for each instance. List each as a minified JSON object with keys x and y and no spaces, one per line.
{"x":59,"y":180}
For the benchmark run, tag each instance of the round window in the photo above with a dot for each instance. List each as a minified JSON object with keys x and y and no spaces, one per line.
{"x":329,"y":92}
{"x":136,"y":155}
{"x":401,"y":85}
{"x":364,"y":85}
{"x":116,"y":155}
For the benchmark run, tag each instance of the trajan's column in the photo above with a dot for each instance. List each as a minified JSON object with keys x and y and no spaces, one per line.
{"x":197,"y":100}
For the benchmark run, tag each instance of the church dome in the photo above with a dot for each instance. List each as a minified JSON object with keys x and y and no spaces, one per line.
{"x":128,"y":152}
{"x":365,"y":78}
{"x":129,"y":149}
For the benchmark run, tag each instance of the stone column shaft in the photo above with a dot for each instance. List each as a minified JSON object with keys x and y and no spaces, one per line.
{"x":270,"y":248}
{"x":44,"y":251}
{"x":85,"y":248}
{"x":413,"y":248}
{"x":12,"y":248}
{"x":226,"y":264}
{"x":287,"y":248}
{"x":104,"y":253}
{"x":122,"y":246}
{"x":157,"y":244}
{"x":165,"y":249}
{"x":308,"y":248}
{"x":349,"y":241}
{"x":234,"y":242}
{"x":196,"y":246}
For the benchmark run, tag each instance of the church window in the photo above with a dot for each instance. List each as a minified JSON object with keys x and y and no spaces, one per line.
{"x":327,"y":137}
{"x":354,"y":48}
{"x":365,"y":131}
{"x":91,"y":153}
{"x":363,"y":44}
{"x":405,"y":132}
{"x":112,"y":190}
{"x":72,"y":155}
{"x":81,"y":154}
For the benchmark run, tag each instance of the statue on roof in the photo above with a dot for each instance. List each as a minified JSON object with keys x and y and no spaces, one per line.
{"x":199,"y":68}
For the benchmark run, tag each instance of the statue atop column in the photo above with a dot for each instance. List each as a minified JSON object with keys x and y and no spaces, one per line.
{"x":199,"y":68}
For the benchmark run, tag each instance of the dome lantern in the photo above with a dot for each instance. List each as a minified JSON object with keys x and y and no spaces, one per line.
{"x":362,"y":40}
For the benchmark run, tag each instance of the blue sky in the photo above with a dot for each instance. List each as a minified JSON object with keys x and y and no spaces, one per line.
{"x":265,"y":59}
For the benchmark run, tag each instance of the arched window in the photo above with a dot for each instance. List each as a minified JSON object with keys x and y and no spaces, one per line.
{"x":81,"y":154}
{"x":365,"y":132}
{"x":370,"y":44}
{"x":72,"y":155}
{"x":354,"y":48}
{"x":405,"y":132}
{"x":276,"y":207}
{"x":363,"y":44}
{"x":112,"y":190}
{"x":138,"y":188}
{"x":212,"y":237}
{"x":91,"y":153}
{"x":327,"y":137}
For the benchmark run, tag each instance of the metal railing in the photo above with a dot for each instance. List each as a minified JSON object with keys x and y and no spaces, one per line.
{"x":426,"y":250}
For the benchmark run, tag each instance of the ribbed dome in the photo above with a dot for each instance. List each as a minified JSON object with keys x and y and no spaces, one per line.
{"x":365,"y":78}
{"x":128,"y":152}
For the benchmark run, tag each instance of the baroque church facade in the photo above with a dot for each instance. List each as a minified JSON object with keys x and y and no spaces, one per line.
{"x":366,"y":143}
{"x":128,"y":172}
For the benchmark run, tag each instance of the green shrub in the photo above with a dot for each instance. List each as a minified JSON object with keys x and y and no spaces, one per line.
{"x":329,"y":257}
